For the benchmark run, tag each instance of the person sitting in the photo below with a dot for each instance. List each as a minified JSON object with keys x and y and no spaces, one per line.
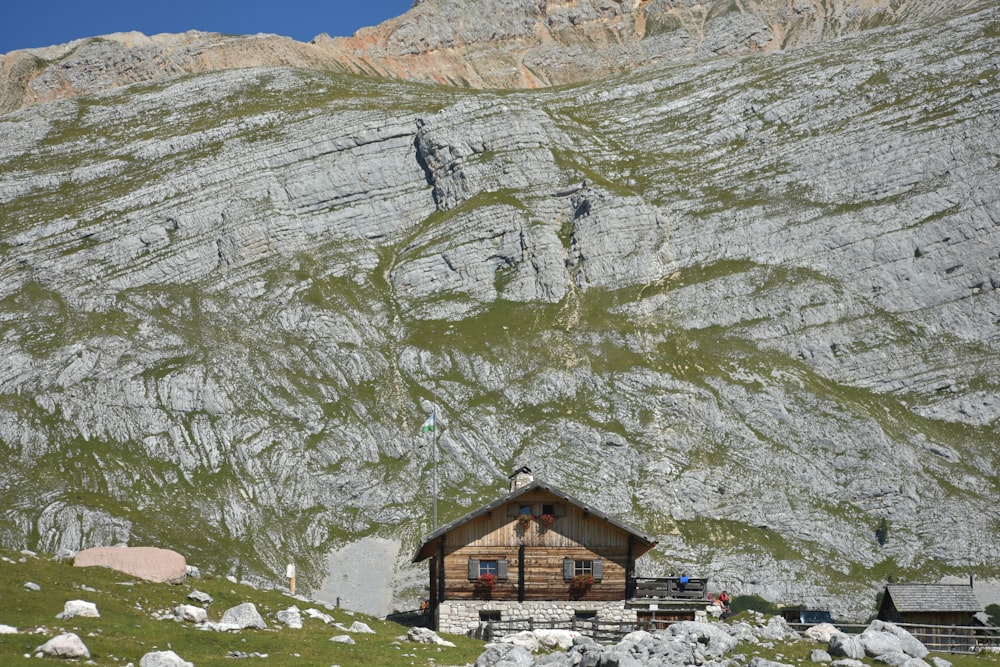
{"x":723,"y":601}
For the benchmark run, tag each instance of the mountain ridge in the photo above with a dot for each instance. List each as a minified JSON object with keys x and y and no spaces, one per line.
{"x":520,"y":44}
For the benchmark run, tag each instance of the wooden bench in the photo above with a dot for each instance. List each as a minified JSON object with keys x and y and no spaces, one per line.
{"x":671,"y":587}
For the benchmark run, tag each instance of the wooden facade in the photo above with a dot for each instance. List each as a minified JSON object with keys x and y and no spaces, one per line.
{"x":943,"y":612}
{"x":535,"y":540}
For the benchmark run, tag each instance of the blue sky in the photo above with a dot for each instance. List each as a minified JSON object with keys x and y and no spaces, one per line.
{"x":32,"y":23}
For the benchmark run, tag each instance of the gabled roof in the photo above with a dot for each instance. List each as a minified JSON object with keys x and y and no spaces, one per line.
{"x":933,"y":598}
{"x":423,"y":553}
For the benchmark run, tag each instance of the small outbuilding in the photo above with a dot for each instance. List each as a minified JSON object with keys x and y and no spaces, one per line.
{"x":943,"y":613}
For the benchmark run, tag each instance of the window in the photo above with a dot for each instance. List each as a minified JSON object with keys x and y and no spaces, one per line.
{"x":490,"y":615}
{"x":479,"y":567}
{"x":549,"y":509}
{"x":525,"y":509}
{"x":585,"y":615}
{"x":573,"y":567}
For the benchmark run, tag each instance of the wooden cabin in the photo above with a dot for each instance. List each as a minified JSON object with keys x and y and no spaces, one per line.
{"x":536,"y":552}
{"x":945,"y":613}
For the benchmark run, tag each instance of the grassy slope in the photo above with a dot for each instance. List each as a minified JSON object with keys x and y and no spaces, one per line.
{"x":128,"y":629}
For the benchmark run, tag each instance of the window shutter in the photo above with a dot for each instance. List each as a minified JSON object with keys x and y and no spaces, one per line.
{"x":568,"y":568}
{"x":598,"y":569}
{"x":473,"y":568}
{"x":502,"y":568}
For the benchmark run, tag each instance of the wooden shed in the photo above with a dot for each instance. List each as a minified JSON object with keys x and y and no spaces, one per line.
{"x":537,"y":543}
{"x":944,"y":613}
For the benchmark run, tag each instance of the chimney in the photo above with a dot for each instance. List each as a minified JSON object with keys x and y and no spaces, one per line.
{"x":520,"y":478}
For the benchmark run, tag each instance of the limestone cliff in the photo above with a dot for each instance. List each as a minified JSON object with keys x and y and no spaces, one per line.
{"x":749,"y":304}
{"x":483,"y":44}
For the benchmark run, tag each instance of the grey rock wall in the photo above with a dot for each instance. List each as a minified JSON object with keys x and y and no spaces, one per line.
{"x":749,"y":306}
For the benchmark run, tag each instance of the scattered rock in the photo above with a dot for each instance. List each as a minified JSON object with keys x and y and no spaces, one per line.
{"x":322,"y":616}
{"x":291,"y":617}
{"x":66,"y":645}
{"x":32,"y":586}
{"x":203,"y":598}
{"x":359,"y":628}
{"x":847,"y":646}
{"x":243,"y":616}
{"x":190,"y":613}
{"x":505,"y":655}
{"x":163,"y":659}
{"x":8,"y":630}
{"x":78,"y":608}
{"x":426,"y":636}
{"x":343,"y":639}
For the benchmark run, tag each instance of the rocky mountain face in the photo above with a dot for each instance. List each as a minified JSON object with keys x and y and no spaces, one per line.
{"x":747,"y":304}
{"x":485,"y":44}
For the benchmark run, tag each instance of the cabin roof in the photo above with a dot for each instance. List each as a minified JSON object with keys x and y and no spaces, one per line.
{"x":423,"y":552}
{"x":933,"y":598}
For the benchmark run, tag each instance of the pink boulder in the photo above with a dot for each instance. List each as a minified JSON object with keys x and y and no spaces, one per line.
{"x":148,"y":563}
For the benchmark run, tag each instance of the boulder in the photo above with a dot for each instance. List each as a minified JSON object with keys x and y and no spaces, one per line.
{"x":291,"y":617}
{"x":8,"y":630}
{"x":909,"y":644}
{"x":847,"y":646}
{"x":190,"y":613}
{"x":556,"y":639}
{"x":847,"y":662}
{"x":764,"y":662}
{"x":199,"y":596}
{"x":243,"y":616}
{"x":819,"y":655}
{"x":821,"y":632}
{"x":505,"y":655}
{"x":878,"y":642}
{"x":426,"y":636}
{"x":319,"y":615}
{"x":74,"y":608}
{"x":526,"y":639}
{"x":711,"y":637}
{"x":146,"y":563}
{"x":359,"y":628}
{"x":163,"y":659}
{"x":343,"y":639}
{"x":66,"y":645}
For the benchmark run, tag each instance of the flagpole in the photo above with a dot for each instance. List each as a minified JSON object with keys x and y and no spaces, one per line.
{"x":434,"y":468}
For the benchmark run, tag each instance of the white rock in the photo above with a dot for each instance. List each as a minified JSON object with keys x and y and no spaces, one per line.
{"x":67,"y":645}
{"x":188,"y":612}
{"x":8,"y":630}
{"x":74,"y":608}
{"x":359,"y":628}
{"x":342,"y":639}
{"x":291,"y":617}
{"x":244,"y":616}
{"x":526,"y":639}
{"x":426,"y":636}
{"x":317,"y":614}
{"x":163,"y":659}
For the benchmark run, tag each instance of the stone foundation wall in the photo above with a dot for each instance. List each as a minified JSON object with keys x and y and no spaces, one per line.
{"x":462,"y":616}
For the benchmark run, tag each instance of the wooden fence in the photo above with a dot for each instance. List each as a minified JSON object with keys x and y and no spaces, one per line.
{"x":937,"y":638}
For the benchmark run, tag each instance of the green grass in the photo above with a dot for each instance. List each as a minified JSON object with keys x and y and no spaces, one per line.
{"x":127,"y":629}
